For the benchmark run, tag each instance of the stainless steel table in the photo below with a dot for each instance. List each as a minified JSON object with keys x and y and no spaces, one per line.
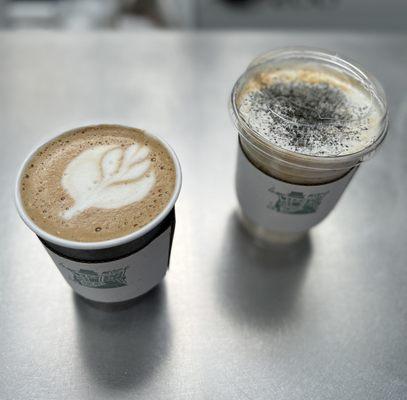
{"x":323,"y":319}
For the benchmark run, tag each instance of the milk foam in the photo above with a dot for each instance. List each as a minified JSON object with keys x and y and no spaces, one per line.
{"x":98,"y":183}
{"x":352,"y":126}
{"x":107,"y":176}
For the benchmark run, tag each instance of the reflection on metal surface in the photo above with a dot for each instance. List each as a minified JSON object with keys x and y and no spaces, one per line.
{"x":260,"y":284}
{"x":326,"y":320}
{"x":122,"y":345}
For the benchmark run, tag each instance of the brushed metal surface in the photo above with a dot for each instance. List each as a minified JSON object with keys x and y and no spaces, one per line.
{"x":323,"y":319}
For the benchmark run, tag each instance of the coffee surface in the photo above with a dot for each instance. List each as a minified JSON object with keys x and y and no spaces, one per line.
{"x":98,"y":183}
{"x":310,"y":110}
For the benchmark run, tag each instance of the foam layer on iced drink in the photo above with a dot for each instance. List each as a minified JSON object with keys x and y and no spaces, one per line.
{"x":310,"y":110}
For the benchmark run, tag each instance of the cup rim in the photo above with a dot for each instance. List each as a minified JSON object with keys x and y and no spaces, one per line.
{"x":106,"y":243}
{"x":330,"y":162}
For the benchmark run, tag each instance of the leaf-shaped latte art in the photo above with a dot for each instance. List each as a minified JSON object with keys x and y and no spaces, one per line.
{"x":107,"y":176}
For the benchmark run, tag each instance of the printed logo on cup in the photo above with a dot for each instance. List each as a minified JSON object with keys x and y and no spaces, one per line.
{"x":295,"y":202}
{"x":105,"y":280}
{"x":121,"y":279}
{"x":281,"y":206}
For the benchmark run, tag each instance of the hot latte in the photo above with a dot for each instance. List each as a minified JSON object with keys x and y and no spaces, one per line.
{"x":98,"y":183}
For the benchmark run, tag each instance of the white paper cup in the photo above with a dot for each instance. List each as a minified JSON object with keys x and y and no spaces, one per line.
{"x":118,"y":269}
{"x":282,"y":194}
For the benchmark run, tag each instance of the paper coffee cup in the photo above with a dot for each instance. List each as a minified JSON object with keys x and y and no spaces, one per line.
{"x":118,"y":269}
{"x":283,"y":193}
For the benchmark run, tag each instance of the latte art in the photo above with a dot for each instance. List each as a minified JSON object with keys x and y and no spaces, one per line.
{"x":98,"y":183}
{"x":107,"y":177}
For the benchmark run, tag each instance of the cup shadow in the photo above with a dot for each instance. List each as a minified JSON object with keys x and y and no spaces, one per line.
{"x":123,"y":345}
{"x":260,"y":286}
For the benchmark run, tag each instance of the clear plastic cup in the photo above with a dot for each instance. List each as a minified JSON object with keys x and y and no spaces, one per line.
{"x":293,"y":167}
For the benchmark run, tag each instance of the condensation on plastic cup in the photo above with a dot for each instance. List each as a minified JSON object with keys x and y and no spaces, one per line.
{"x":289,"y":166}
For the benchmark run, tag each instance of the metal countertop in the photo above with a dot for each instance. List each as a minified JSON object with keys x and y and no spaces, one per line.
{"x":325,"y":318}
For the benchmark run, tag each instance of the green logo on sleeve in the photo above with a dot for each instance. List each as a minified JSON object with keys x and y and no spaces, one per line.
{"x":104,"y":280}
{"x":295,"y":202}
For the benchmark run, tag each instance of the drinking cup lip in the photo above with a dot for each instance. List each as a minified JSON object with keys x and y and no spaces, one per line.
{"x":106,"y":243}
